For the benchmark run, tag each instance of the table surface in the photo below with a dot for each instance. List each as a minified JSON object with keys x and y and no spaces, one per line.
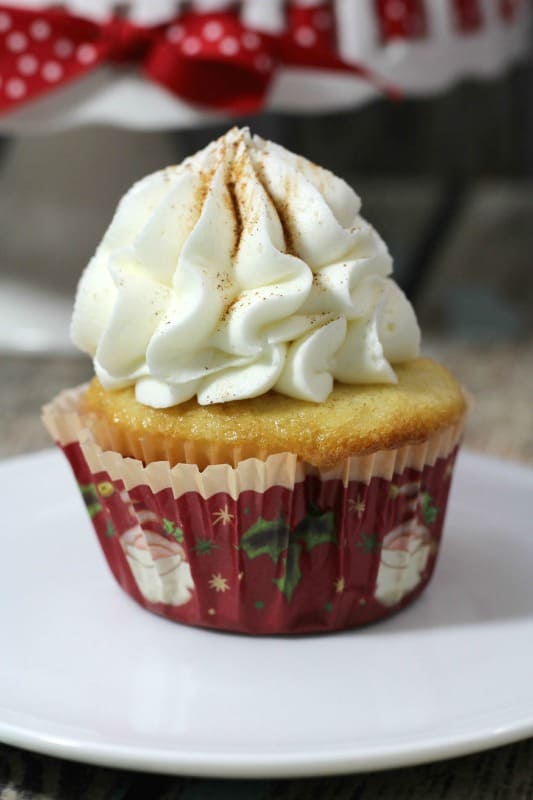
{"x":498,"y":372}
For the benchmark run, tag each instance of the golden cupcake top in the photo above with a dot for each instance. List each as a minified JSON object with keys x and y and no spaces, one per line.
{"x":242,"y":270}
{"x":353,"y":421}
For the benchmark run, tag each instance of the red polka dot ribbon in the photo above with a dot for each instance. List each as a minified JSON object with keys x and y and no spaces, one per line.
{"x":210,"y":59}
{"x":510,"y":8}
{"x":467,"y":15}
{"x":402,"y":19}
{"x":408,"y":19}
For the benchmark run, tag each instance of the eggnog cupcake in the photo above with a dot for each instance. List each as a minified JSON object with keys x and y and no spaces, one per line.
{"x":259,"y":398}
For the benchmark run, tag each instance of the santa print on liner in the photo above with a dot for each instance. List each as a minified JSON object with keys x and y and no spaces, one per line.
{"x":406,"y":548}
{"x":158,"y":563}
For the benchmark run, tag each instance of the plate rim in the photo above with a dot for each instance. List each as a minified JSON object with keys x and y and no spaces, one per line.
{"x":296,"y":764}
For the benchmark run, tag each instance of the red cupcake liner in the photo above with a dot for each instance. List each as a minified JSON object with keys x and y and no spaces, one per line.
{"x":267,"y":547}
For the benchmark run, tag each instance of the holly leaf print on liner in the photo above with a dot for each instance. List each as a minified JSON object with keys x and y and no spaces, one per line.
{"x":204,"y":546}
{"x":292,"y":574}
{"x":274,"y":538}
{"x":174,"y":530}
{"x":316,"y":529}
{"x":266,"y":537}
{"x":369,"y":543}
{"x":88,"y":490}
{"x":94,"y":509}
{"x":90,"y":498}
{"x":430,"y":512}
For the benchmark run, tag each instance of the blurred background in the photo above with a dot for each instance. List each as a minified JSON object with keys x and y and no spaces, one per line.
{"x":446,"y":177}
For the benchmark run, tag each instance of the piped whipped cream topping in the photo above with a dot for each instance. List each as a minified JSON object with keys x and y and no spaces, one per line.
{"x":244,"y":269}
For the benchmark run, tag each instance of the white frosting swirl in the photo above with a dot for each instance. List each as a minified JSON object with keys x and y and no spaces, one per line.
{"x":244,"y":269}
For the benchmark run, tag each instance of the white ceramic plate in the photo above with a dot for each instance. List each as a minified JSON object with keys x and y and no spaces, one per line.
{"x":87,"y":674}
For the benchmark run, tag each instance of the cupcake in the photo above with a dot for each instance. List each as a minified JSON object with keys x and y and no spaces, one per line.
{"x":262,"y":448}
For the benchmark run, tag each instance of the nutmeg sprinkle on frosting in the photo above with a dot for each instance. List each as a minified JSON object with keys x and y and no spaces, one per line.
{"x":242,"y":270}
